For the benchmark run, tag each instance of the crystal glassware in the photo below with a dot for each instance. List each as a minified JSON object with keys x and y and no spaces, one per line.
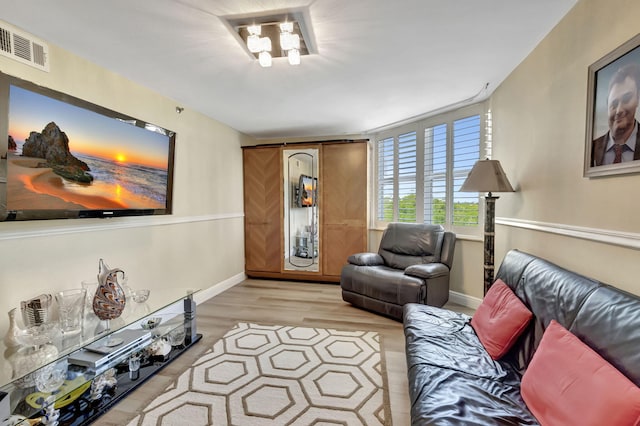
{"x":50,"y":377}
{"x":140,"y":296}
{"x":71,"y":309}
{"x":176,"y":337}
{"x":36,"y":311}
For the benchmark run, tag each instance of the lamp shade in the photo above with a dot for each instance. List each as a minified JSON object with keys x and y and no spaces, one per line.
{"x":487,"y":176}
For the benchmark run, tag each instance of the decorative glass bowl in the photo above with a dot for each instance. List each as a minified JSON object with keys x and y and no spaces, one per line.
{"x":50,"y":377}
{"x":140,"y":296}
{"x":38,"y":335}
{"x":176,"y":336}
{"x":151,"y":323}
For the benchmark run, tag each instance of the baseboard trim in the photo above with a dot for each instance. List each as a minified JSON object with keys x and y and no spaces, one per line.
{"x":214,"y":290}
{"x":464,"y":299}
{"x":204,"y":295}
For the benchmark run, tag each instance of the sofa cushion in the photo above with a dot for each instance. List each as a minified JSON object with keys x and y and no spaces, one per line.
{"x":549,"y":291}
{"x":406,"y":244}
{"x":382,"y":283}
{"x":500,"y":319}
{"x":607,"y":322}
{"x":568,"y":383}
{"x":452,"y":378}
{"x":365,"y":259}
{"x":427,"y":270}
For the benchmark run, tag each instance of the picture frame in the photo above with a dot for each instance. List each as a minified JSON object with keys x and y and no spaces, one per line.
{"x":597,"y":159}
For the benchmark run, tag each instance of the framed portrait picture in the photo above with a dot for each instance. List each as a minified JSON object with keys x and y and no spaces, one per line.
{"x":612,"y":145}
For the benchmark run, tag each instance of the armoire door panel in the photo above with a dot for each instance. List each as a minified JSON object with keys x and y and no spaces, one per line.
{"x":342,"y":241}
{"x":262,"y":248}
{"x":262,"y":186}
{"x":345,"y":182}
{"x":344,"y":203}
{"x":262,"y":204}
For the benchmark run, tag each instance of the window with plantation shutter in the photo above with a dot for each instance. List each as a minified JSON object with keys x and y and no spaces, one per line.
{"x":435,"y":174}
{"x":421,"y":166}
{"x":466,"y":151}
{"x":386,"y":181}
{"x":407,"y":177}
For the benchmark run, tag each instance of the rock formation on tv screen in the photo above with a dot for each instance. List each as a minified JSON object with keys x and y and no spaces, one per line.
{"x":12,"y":144}
{"x":52,"y":144}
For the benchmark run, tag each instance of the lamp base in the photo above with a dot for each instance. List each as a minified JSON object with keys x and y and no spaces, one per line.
{"x":489,"y":234}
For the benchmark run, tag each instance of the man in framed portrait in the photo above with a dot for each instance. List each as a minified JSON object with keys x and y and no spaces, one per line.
{"x":621,"y":143}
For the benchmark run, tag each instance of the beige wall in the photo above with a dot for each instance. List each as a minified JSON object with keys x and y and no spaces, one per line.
{"x":199,"y":246}
{"x":539,"y":121}
{"x":539,"y":117}
{"x":539,"y":130}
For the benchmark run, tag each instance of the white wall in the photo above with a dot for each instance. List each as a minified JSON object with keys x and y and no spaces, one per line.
{"x":199,"y":246}
{"x":539,"y":117}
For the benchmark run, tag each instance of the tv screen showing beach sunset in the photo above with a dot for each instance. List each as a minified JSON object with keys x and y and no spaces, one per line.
{"x":66,"y":157}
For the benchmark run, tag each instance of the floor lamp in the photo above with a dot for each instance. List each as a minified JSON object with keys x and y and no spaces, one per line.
{"x":488,"y":176}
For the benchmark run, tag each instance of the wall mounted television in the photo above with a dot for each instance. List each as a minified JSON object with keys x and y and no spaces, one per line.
{"x":307,"y":191}
{"x":69,"y":158}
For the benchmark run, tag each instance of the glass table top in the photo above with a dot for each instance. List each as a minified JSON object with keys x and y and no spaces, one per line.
{"x":50,"y":344}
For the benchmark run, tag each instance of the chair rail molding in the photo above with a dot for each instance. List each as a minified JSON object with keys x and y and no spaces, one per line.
{"x":107,"y":224}
{"x":607,"y":236}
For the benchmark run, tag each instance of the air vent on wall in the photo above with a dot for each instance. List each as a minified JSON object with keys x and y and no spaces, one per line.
{"x":23,"y":47}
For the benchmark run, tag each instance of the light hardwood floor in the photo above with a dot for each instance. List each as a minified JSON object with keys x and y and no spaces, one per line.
{"x":281,"y":303}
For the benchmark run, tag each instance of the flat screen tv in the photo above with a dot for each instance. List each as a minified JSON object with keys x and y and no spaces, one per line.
{"x":307,"y":191}
{"x":69,"y":158}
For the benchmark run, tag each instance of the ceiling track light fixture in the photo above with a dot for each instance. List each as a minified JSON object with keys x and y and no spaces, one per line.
{"x":264,"y":58}
{"x":259,"y":45}
{"x":274,"y":34}
{"x":253,"y":40}
{"x":288,"y":43}
{"x":269,"y":35}
{"x":294,"y":56}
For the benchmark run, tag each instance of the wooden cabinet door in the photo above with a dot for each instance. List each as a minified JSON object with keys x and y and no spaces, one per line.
{"x":343,"y":208}
{"x":262,"y":209}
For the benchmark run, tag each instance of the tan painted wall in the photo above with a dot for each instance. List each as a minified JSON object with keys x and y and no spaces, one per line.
{"x":192,"y":252}
{"x":539,"y":117}
{"x":539,"y":130}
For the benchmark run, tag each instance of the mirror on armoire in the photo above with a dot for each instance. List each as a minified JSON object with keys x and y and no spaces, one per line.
{"x":301,"y":226}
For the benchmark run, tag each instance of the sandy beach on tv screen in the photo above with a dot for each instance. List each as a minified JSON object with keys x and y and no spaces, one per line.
{"x":33,"y":188}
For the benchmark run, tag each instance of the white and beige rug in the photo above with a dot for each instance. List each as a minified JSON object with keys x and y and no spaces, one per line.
{"x":279,"y":375}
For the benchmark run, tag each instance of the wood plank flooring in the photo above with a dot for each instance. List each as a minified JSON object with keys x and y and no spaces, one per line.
{"x":281,"y":303}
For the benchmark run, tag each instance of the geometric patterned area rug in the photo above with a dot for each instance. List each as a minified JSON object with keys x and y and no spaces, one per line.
{"x":279,"y":375}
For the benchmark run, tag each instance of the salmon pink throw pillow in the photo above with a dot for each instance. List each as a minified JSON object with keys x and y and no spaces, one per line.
{"x":567,"y":383}
{"x":500,"y":319}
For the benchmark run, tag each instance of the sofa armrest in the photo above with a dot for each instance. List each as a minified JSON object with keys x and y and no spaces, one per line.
{"x":427,"y":270}
{"x":365,"y":259}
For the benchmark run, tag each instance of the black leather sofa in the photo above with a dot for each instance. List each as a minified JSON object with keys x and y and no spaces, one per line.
{"x":452,"y":379}
{"x":412,"y":265}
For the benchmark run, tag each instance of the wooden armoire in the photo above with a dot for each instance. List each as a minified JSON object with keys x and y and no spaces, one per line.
{"x":309,"y":239}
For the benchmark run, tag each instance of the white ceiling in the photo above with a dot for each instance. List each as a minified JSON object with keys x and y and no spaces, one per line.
{"x":378,"y":61}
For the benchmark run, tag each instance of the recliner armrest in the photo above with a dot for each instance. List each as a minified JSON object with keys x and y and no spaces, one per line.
{"x":365,"y":259}
{"x":427,"y":270}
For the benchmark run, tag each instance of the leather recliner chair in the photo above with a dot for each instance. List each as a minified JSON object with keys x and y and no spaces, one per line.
{"x":412,"y":266}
